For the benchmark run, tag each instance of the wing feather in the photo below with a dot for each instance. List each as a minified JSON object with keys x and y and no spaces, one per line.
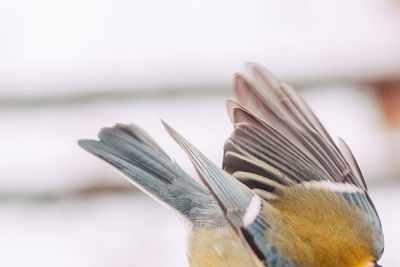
{"x":275,"y":126}
{"x":236,"y":201}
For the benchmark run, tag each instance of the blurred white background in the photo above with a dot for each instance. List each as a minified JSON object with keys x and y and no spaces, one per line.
{"x":68,"y":68}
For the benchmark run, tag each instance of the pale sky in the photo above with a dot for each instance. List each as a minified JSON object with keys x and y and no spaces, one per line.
{"x":52,"y":46}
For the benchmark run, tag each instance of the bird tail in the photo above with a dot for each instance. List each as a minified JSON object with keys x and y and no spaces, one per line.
{"x":134,"y":153}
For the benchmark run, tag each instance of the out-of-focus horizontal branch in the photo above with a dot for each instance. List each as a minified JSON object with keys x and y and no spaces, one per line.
{"x":79,"y":193}
{"x":90,"y":96}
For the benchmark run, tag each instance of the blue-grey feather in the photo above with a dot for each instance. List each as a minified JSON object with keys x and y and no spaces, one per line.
{"x":131,"y":151}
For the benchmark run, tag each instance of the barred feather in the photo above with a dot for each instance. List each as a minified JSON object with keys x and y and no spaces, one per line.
{"x":278,"y":143}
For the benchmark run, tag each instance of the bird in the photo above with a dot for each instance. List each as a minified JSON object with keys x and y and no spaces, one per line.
{"x":286,"y":195}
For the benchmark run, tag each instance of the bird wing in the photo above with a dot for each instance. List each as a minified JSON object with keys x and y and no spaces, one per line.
{"x":242,"y":208}
{"x":278,"y":141}
{"x":135,"y":154}
{"x":278,"y":135}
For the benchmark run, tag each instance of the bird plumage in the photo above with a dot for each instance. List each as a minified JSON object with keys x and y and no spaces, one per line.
{"x":279,"y":140}
{"x":287,"y":194}
{"x":138,"y":157}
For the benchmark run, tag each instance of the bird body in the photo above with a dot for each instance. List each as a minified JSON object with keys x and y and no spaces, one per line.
{"x":219,"y":246}
{"x":286,"y":195}
{"x":316,"y":219}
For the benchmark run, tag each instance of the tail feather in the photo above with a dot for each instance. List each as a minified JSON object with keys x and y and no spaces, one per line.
{"x":131,"y":151}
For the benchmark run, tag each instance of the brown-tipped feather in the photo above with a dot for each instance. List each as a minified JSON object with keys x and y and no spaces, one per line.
{"x":281,"y":114}
{"x":278,"y":143}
